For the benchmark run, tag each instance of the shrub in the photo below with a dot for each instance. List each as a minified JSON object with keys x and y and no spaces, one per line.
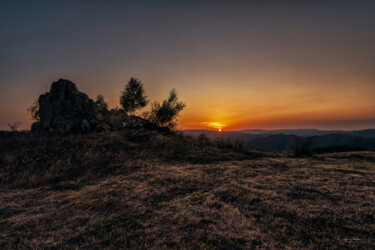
{"x":34,"y":111}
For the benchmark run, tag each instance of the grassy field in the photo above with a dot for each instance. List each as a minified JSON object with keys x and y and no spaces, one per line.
{"x":141,"y":190}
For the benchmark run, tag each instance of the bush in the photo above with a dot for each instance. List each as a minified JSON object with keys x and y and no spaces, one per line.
{"x":34,"y":111}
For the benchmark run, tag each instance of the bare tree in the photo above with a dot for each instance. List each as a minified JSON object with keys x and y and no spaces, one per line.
{"x":14,"y":126}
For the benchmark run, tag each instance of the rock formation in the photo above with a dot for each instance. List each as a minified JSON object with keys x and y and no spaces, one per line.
{"x":65,"y":110}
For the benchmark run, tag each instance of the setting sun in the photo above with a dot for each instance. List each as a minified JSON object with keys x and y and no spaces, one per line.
{"x":189,"y":124}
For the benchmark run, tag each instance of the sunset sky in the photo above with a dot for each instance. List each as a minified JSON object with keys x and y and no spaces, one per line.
{"x":236,"y":64}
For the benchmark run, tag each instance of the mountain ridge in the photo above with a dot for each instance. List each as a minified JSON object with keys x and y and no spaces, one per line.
{"x":301,"y":132}
{"x":284,"y":140}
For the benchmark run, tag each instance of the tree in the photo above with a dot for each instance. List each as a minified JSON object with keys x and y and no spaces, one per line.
{"x":34,"y":111}
{"x":101,"y":103}
{"x":166,"y":114}
{"x":133,"y":96}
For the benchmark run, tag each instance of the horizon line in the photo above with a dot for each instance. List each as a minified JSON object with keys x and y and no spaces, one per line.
{"x":223,"y":130}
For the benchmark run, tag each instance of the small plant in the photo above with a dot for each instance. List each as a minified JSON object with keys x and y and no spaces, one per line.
{"x":133,"y":96}
{"x":14,"y":126}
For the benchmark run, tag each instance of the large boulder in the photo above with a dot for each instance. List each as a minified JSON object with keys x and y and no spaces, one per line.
{"x":65,"y":110}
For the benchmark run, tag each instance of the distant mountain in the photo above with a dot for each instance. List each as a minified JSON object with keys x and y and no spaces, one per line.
{"x":283,"y":140}
{"x":363,"y":133}
{"x":335,"y":140}
{"x":311,"y":132}
{"x":279,"y":142}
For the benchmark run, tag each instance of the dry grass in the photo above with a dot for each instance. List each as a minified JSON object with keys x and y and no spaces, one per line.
{"x":140,"y":190}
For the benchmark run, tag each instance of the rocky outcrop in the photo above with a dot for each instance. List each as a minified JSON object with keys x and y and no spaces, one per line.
{"x":65,"y":110}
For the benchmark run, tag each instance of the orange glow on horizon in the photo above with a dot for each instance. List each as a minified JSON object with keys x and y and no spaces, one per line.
{"x":248,"y":107}
{"x":234,"y":72}
{"x":215,"y":125}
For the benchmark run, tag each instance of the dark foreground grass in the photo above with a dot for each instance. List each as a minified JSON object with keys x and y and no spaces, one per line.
{"x":140,"y":190}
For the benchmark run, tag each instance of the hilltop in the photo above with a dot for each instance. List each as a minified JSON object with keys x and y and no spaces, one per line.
{"x":139,"y":189}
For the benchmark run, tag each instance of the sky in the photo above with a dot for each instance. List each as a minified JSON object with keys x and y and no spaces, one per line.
{"x":236,"y":64}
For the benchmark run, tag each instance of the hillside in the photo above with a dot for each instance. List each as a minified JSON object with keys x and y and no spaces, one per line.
{"x":133,"y":189}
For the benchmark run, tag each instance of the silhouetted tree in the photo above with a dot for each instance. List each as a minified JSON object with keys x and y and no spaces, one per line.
{"x":34,"y":111}
{"x":166,"y":114}
{"x":100,"y":102}
{"x":133,"y":96}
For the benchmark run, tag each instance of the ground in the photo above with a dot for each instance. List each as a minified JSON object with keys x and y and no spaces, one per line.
{"x":141,"y":190}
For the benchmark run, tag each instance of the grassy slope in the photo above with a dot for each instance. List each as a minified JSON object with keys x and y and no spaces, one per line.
{"x":143,"y":191}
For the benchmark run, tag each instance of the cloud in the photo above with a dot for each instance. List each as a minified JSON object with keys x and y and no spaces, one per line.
{"x":217,"y":125}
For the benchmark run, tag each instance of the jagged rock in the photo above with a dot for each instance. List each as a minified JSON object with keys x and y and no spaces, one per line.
{"x":65,"y":110}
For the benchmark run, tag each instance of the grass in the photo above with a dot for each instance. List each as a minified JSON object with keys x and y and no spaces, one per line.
{"x":124,"y":230}
{"x":134,"y":189}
